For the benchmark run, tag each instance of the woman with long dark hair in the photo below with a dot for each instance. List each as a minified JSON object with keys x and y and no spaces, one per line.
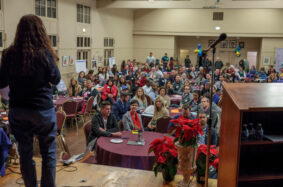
{"x":29,"y":67}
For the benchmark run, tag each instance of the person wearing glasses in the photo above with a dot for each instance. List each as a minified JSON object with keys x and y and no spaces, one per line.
{"x":203,"y":138}
{"x":187,"y":96}
{"x":132,"y":120}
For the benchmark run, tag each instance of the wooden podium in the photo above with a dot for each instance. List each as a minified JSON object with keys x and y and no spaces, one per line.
{"x":251,"y":162}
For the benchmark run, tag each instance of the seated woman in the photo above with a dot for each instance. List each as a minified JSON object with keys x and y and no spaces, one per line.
{"x":109,"y":92}
{"x":160,"y":111}
{"x":140,"y":97}
{"x":132,"y":120}
{"x":81,"y":78}
{"x":74,"y":88}
{"x":89,"y":91}
{"x":164,"y":96}
{"x":169,"y":87}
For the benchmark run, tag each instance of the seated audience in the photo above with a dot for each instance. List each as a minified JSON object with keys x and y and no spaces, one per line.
{"x":132,"y":120}
{"x":140,"y":97}
{"x":206,"y":89}
{"x":74,"y":88}
{"x":104,"y":123}
{"x":109,"y":92}
{"x":195,"y":101}
{"x":177,"y":86}
{"x":160,"y":111}
{"x":89,"y":91}
{"x":81,"y":78}
{"x":200,"y":80}
{"x":121,"y":106}
{"x":203,"y":138}
{"x":169,"y":87}
{"x":164,"y":96}
{"x":187,"y":97}
{"x":205,"y":108}
{"x":162,"y":81}
{"x":186,"y":113}
{"x":89,"y":76}
{"x":147,"y":87}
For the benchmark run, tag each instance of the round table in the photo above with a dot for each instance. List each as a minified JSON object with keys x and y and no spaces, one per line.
{"x":127,"y":156}
{"x":59,"y":102}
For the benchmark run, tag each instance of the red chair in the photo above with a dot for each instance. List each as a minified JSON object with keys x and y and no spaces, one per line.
{"x":162,"y":124}
{"x":61,"y":118}
{"x":87,"y":129}
{"x":86,"y":109}
{"x":70,"y":108}
{"x":148,"y":99}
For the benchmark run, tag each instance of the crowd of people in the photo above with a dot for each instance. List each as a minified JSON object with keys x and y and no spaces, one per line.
{"x":146,"y":88}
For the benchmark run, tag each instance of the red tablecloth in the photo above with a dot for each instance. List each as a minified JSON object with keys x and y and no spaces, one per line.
{"x":59,"y":102}
{"x":127,"y":156}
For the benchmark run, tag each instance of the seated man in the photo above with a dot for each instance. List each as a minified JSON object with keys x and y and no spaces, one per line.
{"x":187,"y":97}
{"x":204,"y":108}
{"x":104,"y":123}
{"x":132,"y":120}
{"x":121,"y":106}
{"x":203,"y":138}
{"x":186,"y":113}
{"x":177,"y":86}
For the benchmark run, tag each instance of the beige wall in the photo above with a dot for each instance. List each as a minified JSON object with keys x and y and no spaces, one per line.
{"x":116,"y":23}
{"x":268,"y":48}
{"x":198,"y":22}
{"x":190,"y":43}
{"x":158,"y":45}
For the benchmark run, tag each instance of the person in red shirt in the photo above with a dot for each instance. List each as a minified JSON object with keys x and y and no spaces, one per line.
{"x":109,"y":92}
{"x":142,"y":80}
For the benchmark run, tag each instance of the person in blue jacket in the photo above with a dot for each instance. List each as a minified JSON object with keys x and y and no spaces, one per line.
{"x":28,"y":66}
{"x":121,"y":106}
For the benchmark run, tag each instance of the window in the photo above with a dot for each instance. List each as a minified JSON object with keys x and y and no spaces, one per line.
{"x":43,"y":6}
{"x":0,"y":4}
{"x":51,"y":8}
{"x":1,"y":40}
{"x":108,"y":42}
{"x":84,"y":55}
{"x":53,"y":40}
{"x":83,"y":41}
{"x":108,"y":53}
{"x":83,"y":14}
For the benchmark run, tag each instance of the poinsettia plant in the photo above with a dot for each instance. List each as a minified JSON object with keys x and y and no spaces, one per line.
{"x":201,"y":160}
{"x":166,"y":154}
{"x":186,"y":131}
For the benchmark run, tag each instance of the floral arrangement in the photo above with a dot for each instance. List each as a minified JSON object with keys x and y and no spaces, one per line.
{"x":201,"y":160}
{"x":166,"y":154}
{"x":186,"y":131}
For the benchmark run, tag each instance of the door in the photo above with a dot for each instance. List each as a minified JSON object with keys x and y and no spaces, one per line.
{"x":183,"y":54}
{"x":251,"y":57}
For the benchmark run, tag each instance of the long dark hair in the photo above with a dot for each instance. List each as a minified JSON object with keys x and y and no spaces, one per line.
{"x":31,"y":42}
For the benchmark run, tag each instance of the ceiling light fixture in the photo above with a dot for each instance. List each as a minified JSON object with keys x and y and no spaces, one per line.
{"x":217,"y":28}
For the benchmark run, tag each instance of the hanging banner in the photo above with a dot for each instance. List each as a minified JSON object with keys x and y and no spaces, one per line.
{"x":279,"y":59}
{"x":80,"y":66}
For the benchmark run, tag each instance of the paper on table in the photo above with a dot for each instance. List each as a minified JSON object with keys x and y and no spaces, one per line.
{"x":175,"y":111}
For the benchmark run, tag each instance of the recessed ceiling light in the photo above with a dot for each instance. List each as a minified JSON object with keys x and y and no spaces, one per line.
{"x":217,"y":28}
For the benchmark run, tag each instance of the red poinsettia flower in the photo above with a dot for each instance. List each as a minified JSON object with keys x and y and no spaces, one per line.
{"x":215,"y":163}
{"x":203,"y":149}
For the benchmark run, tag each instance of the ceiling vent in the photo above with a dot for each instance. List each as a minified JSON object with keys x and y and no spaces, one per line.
{"x":218,"y":16}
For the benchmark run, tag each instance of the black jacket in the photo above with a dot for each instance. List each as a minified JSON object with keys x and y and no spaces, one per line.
{"x":30,"y":91}
{"x":97,"y":122}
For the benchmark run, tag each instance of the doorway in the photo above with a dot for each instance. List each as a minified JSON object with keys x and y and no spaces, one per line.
{"x":251,"y":57}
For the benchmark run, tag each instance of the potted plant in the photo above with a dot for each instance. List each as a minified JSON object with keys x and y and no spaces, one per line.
{"x":165,"y":158}
{"x":201,"y":162}
{"x":186,"y":132}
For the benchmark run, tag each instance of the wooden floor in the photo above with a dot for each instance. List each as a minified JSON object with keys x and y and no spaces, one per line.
{"x":88,"y":175}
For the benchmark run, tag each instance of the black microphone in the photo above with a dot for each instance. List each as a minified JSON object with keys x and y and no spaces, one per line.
{"x":222,"y":37}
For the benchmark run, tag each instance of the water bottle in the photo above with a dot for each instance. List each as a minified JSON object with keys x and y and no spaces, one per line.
{"x":251,"y":131}
{"x":245,"y":132}
{"x":259,"y":131}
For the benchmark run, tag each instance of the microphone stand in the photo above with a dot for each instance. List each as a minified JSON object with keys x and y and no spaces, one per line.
{"x":208,"y":128}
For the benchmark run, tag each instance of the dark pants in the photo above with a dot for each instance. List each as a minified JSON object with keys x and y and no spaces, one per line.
{"x":25,"y":124}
